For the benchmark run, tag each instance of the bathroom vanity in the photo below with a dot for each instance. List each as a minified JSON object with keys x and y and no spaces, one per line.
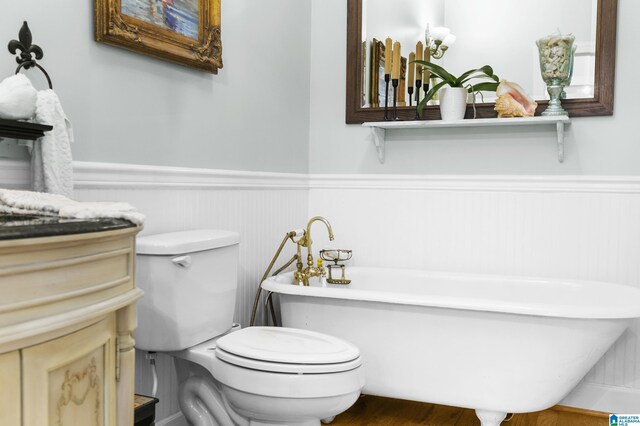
{"x":67,"y":313}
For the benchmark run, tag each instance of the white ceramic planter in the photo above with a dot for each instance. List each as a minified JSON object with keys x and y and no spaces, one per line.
{"x":453,"y":103}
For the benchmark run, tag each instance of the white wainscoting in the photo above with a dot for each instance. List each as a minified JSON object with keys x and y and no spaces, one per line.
{"x":262,"y":207}
{"x":14,"y":174}
{"x":574,"y":227}
{"x":562,"y":227}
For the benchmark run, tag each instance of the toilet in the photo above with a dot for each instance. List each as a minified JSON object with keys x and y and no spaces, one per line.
{"x":228,"y":376}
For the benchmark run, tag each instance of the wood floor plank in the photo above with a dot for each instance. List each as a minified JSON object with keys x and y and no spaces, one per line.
{"x":378,"y":411}
{"x":547,"y":418}
{"x":468,"y":418}
{"x":528,"y":419}
{"x":444,"y":416}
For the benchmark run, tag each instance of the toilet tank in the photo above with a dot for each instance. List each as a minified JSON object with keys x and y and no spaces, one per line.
{"x":189,"y":279}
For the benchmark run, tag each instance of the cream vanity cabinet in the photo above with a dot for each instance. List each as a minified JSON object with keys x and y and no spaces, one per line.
{"x":67,"y":313}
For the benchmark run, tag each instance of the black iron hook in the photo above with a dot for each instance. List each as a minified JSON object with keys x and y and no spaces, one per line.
{"x":29,"y":52}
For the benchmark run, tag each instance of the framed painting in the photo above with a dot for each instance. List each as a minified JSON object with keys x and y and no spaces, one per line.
{"x":185,"y":32}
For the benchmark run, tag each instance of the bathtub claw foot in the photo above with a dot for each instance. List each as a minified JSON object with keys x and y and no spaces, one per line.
{"x":490,"y":418}
{"x":328,"y":420}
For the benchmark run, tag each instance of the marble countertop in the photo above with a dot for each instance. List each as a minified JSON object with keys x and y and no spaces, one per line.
{"x":35,"y":226}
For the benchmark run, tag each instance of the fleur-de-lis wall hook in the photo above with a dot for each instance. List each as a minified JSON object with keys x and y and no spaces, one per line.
{"x":27,"y":49}
{"x":29,"y":52}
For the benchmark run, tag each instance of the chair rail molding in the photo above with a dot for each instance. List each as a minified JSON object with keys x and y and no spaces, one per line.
{"x":484,"y":183}
{"x":96,"y":175}
{"x":88,"y":175}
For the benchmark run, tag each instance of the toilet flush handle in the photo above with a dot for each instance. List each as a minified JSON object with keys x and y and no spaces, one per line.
{"x":183,"y":261}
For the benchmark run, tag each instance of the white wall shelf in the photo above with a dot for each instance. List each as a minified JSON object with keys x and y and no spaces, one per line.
{"x":378,"y":129}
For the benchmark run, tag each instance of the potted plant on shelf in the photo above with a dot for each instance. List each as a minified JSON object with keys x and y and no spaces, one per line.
{"x":453,"y":99}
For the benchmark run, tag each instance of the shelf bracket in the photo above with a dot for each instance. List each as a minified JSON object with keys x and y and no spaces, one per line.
{"x":377,"y":136}
{"x":560,"y":131}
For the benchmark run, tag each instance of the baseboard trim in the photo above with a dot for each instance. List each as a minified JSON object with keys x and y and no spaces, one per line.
{"x":582,"y":411}
{"x":176,"y":419}
{"x":604,"y":398}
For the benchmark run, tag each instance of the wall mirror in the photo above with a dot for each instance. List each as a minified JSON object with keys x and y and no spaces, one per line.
{"x":500,"y":33}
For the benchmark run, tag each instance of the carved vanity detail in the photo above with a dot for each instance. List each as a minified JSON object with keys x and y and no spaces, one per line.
{"x":67,"y":313}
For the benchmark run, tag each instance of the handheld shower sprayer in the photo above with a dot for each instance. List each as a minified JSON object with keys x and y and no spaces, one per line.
{"x":301,"y":238}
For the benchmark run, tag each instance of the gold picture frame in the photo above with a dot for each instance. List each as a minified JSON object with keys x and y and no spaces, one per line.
{"x":186,"y":32}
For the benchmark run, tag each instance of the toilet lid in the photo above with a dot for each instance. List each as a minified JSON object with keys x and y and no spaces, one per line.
{"x":280,"y":349}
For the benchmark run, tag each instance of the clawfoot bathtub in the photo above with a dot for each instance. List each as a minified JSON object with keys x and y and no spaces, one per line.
{"x":490,"y":343}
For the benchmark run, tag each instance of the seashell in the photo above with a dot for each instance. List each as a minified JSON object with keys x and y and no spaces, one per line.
{"x":513,"y":101}
{"x":17,"y":98}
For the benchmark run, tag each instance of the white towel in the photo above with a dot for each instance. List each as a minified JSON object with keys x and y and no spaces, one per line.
{"x":51,"y":165}
{"x":17,"y":98}
{"x":26,"y":202}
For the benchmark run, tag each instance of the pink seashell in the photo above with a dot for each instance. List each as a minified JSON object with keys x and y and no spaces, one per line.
{"x":513,"y":101}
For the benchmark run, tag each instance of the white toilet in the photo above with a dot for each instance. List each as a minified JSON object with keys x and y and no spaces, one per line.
{"x":230,"y":376}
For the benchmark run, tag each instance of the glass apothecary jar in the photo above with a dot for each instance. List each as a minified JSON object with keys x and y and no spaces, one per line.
{"x":556,"y":63}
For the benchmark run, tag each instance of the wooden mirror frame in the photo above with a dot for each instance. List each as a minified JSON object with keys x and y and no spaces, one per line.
{"x":600,"y":104}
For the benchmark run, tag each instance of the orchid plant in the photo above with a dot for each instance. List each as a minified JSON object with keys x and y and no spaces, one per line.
{"x":485,"y":73}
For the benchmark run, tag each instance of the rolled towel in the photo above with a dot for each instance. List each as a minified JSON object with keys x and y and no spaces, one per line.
{"x":27,"y":202}
{"x":17,"y":98}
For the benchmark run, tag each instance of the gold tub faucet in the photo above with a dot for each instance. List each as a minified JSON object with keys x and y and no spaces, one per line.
{"x":302,"y":275}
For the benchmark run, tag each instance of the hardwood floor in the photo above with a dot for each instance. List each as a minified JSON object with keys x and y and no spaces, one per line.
{"x":377,"y":411}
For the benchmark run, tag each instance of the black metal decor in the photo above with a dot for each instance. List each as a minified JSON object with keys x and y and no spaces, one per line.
{"x":418,"y":87}
{"x":394,"y":83}
{"x":29,"y":52}
{"x":387,"y":78}
{"x":17,"y":129}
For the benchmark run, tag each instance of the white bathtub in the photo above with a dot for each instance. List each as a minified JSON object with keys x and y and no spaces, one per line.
{"x":494,"y":344}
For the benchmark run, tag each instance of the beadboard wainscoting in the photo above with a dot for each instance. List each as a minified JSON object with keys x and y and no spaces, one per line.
{"x":561,"y":227}
{"x":262,"y":207}
{"x":573,"y":227}
{"x":15,"y":174}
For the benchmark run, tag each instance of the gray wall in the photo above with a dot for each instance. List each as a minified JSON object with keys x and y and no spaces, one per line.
{"x":279,"y":106}
{"x":126,"y":108}
{"x":595,"y":146}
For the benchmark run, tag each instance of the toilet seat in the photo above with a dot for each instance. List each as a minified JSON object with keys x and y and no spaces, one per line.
{"x":287,"y":350}
{"x":291,"y":368}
